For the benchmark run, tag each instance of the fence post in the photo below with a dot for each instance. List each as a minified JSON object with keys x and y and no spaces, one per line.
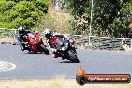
{"x":131,"y":45}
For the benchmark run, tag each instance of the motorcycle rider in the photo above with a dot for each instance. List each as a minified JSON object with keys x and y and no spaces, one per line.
{"x":22,"y":36}
{"x":49,"y":35}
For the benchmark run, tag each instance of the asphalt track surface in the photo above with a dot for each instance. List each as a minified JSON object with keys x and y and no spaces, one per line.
{"x":37,"y":66}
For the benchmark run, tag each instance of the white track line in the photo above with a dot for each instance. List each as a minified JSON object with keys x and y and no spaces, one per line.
{"x":6,"y":64}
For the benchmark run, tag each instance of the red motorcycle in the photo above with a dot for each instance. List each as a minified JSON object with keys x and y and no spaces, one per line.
{"x":64,"y":48}
{"x":34,"y":43}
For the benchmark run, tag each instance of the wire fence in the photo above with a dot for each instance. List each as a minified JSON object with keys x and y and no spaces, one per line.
{"x":81,"y":41}
{"x":8,"y":35}
{"x":100,"y":43}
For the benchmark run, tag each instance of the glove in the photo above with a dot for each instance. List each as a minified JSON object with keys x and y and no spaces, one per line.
{"x":66,"y":37}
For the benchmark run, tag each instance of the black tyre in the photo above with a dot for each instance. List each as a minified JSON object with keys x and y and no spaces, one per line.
{"x":29,"y":50}
{"x":45,"y":50}
{"x":73,"y":55}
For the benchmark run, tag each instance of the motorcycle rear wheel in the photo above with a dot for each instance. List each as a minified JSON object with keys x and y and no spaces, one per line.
{"x":45,"y":50}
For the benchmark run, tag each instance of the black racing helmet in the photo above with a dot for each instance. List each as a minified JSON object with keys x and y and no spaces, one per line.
{"x":21,"y":30}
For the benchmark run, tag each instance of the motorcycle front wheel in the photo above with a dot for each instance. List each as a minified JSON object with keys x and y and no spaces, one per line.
{"x":73,"y":55}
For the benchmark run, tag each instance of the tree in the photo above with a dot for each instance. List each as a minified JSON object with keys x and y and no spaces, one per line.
{"x":106,"y":14}
{"x":79,"y":9}
{"x":27,"y":13}
{"x":121,"y":22}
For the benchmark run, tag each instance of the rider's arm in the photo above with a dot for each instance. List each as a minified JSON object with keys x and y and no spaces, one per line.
{"x":62,"y":36}
{"x":27,"y":31}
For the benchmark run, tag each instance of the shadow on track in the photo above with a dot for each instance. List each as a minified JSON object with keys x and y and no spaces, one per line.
{"x":67,"y":62}
{"x":34,"y":53}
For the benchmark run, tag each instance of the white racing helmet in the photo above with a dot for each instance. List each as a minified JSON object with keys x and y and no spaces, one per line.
{"x":47,"y":33}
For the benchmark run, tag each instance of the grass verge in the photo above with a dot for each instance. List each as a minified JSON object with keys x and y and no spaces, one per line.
{"x":7,"y":40}
{"x":55,"y":83}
